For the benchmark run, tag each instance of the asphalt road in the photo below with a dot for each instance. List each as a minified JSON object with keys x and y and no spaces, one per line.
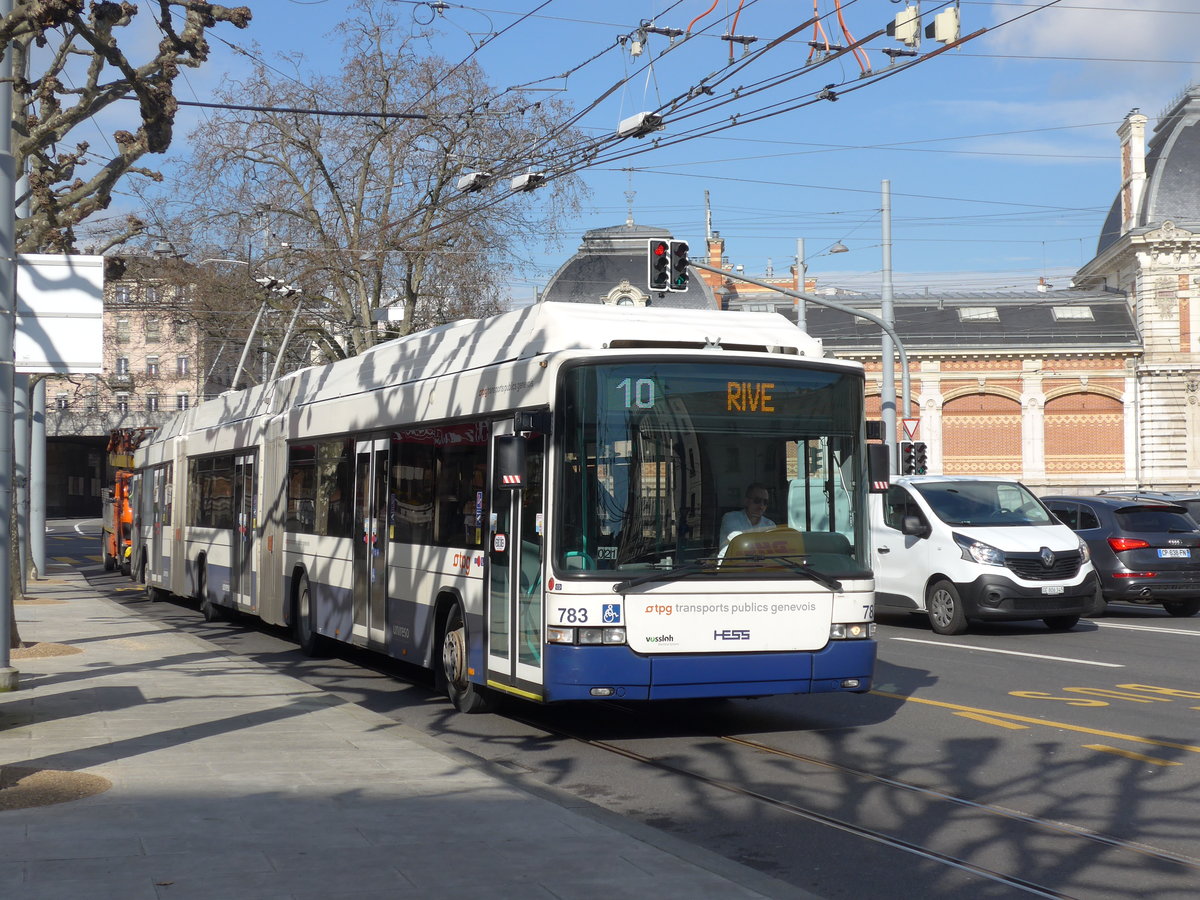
{"x":1007,"y":762}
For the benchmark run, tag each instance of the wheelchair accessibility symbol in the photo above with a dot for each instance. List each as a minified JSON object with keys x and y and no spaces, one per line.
{"x":612,"y":613}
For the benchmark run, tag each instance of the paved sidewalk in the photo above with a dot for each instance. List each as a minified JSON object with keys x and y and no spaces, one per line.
{"x":231,"y":781}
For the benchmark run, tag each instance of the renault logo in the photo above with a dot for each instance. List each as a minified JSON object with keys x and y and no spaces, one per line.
{"x":1047,"y":557}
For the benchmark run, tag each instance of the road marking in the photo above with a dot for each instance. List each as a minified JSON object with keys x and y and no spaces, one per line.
{"x":1129,"y":754}
{"x":1158,"y":629}
{"x":992,"y":720}
{"x":1066,"y":726}
{"x":1082,"y":662}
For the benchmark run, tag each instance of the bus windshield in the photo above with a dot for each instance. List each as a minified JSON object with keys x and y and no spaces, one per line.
{"x":710,"y":468}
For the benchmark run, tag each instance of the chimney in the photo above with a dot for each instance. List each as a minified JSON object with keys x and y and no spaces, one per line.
{"x":1133,"y":167}
{"x":716,"y":249}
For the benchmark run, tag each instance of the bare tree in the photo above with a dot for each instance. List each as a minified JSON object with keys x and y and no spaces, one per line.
{"x":363,"y":211}
{"x":68,"y":67}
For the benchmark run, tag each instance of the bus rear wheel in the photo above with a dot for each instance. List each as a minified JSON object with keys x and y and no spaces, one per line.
{"x":211,"y":611}
{"x":302,"y":622}
{"x":466,"y":696}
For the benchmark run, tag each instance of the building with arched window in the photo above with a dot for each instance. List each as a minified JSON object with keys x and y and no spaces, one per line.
{"x":1097,"y":386}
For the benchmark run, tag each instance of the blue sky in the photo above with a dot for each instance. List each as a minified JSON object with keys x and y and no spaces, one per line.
{"x":1001,"y":154}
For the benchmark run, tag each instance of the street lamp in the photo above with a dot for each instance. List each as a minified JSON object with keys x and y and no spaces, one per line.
{"x":802,"y":277}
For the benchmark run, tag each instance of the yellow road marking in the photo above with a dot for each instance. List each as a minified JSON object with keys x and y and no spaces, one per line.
{"x":1066,"y":726}
{"x":1129,"y":754}
{"x":991,"y":720}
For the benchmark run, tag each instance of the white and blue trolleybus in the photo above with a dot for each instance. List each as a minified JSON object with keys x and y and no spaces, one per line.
{"x":531,"y":504}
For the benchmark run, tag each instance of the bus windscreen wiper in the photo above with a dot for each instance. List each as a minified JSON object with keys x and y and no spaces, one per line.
{"x":709,"y":566}
{"x":795,"y":564}
{"x":669,"y":575}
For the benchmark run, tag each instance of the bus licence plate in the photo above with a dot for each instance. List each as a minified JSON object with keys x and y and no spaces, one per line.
{"x":1180,"y":553}
{"x":1053,"y":589}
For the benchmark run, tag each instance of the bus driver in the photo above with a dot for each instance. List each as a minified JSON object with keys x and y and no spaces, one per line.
{"x":751,"y":517}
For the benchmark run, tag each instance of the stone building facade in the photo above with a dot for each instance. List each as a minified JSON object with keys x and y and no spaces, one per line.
{"x":155,"y":363}
{"x":1070,"y":390}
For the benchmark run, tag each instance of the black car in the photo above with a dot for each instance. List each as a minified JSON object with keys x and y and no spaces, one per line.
{"x":1189,"y":500}
{"x":1144,"y":550}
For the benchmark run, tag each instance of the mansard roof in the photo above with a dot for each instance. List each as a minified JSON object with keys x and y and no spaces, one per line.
{"x":1038,"y":321}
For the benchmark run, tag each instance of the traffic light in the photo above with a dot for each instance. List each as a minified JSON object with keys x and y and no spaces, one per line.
{"x":679,"y":265}
{"x":659,"y":257}
{"x":920,"y":458}
{"x":908,"y":458}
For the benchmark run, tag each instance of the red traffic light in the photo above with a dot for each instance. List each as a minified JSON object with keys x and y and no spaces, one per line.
{"x":659,"y":275}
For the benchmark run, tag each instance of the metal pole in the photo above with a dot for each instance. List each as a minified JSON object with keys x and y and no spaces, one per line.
{"x":21,"y":471}
{"x":801,"y":284}
{"x":887,"y":388}
{"x":824,"y":301}
{"x":37,"y":479}
{"x":9,"y":677}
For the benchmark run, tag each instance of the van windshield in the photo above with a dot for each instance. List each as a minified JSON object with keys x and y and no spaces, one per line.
{"x":984,"y":503}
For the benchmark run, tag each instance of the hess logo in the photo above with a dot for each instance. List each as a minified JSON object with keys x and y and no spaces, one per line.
{"x":732,"y":634}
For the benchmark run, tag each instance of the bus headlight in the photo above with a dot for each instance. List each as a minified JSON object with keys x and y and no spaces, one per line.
{"x":590,"y":636}
{"x":851,"y":631}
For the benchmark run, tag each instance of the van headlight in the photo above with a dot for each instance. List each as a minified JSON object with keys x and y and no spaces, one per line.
{"x":1083,"y":550}
{"x":984,"y":554}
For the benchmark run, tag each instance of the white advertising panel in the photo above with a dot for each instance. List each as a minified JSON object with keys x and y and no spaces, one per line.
{"x":60,"y":314}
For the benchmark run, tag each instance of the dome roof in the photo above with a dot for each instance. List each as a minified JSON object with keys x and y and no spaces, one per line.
{"x":1172,"y":191}
{"x":611,"y":266}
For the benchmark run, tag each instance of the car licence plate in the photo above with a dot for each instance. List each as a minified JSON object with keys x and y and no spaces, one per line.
{"x":1053,"y":589}
{"x":1181,"y":553}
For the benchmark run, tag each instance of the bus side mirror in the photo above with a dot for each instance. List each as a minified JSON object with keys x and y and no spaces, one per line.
{"x":510,"y":462}
{"x":879,"y":465}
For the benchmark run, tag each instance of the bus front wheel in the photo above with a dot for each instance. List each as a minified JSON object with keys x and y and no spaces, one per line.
{"x":466,"y":696}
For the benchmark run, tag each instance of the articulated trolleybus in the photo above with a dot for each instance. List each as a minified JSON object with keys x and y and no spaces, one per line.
{"x":532,"y":505}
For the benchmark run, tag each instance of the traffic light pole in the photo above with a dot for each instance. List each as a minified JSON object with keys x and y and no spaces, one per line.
{"x":889,"y":330}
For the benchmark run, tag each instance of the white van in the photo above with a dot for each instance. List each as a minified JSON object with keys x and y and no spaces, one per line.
{"x":972,"y":547}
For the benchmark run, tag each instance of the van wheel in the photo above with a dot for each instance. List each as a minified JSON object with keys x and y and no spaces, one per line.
{"x":1061,"y":623}
{"x":1182,"y":608}
{"x":945,"y":608}
{"x":466,"y":696}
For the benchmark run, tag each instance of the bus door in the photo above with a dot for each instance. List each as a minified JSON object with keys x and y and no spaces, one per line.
{"x":515,"y":549}
{"x":245,"y":517}
{"x":371,"y":540}
{"x":158,"y":504}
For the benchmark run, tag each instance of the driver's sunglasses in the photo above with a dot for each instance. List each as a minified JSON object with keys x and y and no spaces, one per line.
{"x":762,"y":500}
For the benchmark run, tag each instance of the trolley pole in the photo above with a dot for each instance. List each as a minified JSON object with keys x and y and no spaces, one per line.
{"x":887,"y":327}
